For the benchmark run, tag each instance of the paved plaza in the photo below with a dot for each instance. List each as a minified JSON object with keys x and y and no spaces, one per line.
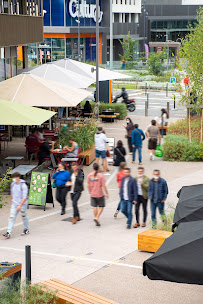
{"x":104,"y":260}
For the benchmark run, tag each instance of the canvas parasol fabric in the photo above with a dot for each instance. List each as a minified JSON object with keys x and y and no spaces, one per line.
{"x":190,"y":204}
{"x":85,"y":70}
{"x":179,"y":259}
{"x":17,"y":114}
{"x":36,"y":91}
{"x":59,"y":74}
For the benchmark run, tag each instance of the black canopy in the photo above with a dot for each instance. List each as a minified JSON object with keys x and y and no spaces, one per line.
{"x":190,"y":204}
{"x":179,"y":259}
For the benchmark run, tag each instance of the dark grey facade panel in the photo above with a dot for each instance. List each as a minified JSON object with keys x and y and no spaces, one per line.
{"x":172,"y":10}
{"x":164,"y":2}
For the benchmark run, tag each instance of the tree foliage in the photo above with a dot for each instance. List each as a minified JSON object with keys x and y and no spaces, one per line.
{"x":155,"y":62}
{"x":4,"y":182}
{"x":192,"y":54}
{"x":128,"y":45}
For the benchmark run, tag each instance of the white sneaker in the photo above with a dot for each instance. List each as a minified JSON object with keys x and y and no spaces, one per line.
{"x":153,"y":157}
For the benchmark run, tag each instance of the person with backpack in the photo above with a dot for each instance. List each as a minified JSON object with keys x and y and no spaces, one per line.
{"x":19,"y":195}
{"x":137,"y":138}
{"x":77,"y":179}
{"x":96,"y":184}
{"x":119,"y":153}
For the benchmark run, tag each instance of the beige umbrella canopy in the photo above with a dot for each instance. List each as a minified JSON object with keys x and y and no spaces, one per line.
{"x":31,"y":90}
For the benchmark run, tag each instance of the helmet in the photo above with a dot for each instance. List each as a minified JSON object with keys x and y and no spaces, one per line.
{"x":123,"y":89}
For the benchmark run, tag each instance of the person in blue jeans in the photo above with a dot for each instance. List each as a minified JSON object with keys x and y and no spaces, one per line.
{"x":157,"y":193}
{"x":19,"y":195}
{"x":137,"y":138}
{"x":128,"y":195}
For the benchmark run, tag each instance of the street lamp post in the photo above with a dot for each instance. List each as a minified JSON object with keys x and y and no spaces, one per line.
{"x":111,"y":37}
{"x":78,"y":21}
{"x":97,"y":53}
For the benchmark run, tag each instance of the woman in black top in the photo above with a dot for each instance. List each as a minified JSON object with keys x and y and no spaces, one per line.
{"x":129,"y":128}
{"x":120,"y":153}
{"x":87,"y":107}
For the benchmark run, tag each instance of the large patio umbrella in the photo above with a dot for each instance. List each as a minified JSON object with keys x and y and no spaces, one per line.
{"x":190,"y":205}
{"x":64,"y":76}
{"x":18,"y":114}
{"x":36,"y":91}
{"x":86,"y":70}
{"x":179,"y":259}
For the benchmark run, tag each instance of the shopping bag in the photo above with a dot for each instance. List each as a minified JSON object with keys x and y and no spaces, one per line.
{"x":54,"y":184}
{"x":159,"y":151}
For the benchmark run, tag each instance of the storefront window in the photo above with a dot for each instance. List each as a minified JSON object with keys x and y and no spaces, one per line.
{"x":58,"y":48}
{"x":32,"y":55}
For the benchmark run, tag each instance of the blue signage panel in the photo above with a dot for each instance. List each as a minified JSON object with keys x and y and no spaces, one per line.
{"x":87,"y":11}
{"x":172,"y":80}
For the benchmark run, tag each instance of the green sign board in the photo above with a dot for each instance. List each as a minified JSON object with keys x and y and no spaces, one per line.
{"x":40,"y":187}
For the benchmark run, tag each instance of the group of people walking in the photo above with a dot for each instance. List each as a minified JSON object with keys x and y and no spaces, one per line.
{"x":132,"y":190}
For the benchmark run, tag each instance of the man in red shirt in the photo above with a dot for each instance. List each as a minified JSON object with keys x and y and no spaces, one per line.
{"x":186,"y":82}
{"x":96,"y":186}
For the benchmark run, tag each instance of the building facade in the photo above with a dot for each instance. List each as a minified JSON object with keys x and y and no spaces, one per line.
{"x":21,"y":22}
{"x":166,"y":22}
{"x":61,"y":26}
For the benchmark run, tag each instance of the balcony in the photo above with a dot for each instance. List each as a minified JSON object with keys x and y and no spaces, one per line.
{"x":21,"y":22}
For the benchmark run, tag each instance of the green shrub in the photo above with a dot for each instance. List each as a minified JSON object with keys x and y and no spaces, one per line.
{"x":4,"y":183}
{"x":83,"y":134}
{"x":179,"y":148}
{"x":180,"y":127}
{"x":25,"y":294}
{"x":117,"y":107}
{"x":167,"y":222}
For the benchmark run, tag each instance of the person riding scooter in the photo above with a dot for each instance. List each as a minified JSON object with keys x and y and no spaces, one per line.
{"x":124,"y":94}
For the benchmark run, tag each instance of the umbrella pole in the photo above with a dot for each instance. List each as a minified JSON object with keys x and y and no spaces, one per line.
{"x":27,"y":131}
{"x":50,"y":120}
{"x":66,"y":112}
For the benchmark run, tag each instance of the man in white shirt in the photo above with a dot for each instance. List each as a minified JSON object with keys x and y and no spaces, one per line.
{"x":100,"y":147}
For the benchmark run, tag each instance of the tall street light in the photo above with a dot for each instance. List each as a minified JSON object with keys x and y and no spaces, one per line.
{"x":97,"y":53}
{"x":78,"y":21}
{"x":111,"y":37}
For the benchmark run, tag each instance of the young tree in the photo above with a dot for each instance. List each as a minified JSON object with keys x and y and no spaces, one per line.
{"x":192,"y":54}
{"x":128,"y":45}
{"x":155,"y":62}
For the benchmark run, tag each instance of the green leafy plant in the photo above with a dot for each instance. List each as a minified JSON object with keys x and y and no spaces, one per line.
{"x":4,"y":183}
{"x":128,"y":45}
{"x":155,"y":62}
{"x":83,"y":134}
{"x":167,"y":222}
{"x":18,"y":293}
{"x":179,"y":148}
{"x":180,"y":127}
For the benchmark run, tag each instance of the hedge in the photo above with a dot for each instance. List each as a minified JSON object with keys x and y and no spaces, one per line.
{"x":116,"y":107}
{"x":179,"y":148}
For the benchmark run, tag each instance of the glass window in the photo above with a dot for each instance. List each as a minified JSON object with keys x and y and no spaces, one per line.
{"x":32,"y":55}
{"x":8,"y":68}
{"x":57,"y":12}
{"x":58,"y":48}
{"x":2,"y":70}
{"x":46,"y":7}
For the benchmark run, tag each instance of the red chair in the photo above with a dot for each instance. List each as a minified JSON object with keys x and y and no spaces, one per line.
{"x":76,"y":159}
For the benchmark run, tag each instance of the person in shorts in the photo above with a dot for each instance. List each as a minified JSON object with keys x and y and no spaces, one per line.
{"x":100,"y":147}
{"x":96,"y":184}
{"x":153,"y":135}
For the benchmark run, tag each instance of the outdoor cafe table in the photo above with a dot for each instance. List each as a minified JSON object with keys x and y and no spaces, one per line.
{"x":23,"y":169}
{"x":59,"y":154}
{"x":14,"y":158}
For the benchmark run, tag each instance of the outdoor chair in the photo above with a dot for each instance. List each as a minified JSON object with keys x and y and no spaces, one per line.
{"x":5,"y":140}
{"x":76,"y":159}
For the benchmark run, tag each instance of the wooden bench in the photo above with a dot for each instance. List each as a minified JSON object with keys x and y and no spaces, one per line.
{"x":69,"y":294}
{"x":89,"y":156}
{"x":151,"y":240}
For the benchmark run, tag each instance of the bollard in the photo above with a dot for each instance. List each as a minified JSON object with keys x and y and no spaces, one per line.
{"x":168,"y":108}
{"x":146,"y":109}
{"x":145,"y":89}
{"x":147,"y":101}
{"x":28,"y":264}
{"x":174,"y":102}
{"x":167,"y":90}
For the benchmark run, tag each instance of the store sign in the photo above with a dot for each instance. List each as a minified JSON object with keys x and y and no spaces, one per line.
{"x":86,"y":10}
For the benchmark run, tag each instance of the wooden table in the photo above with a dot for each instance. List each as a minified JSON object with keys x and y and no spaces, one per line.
{"x":151,"y":239}
{"x":23,"y":169}
{"x":14,"y":158}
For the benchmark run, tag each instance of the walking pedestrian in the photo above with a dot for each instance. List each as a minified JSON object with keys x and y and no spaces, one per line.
{"x":19,"y":195}
{"x":62,"y":177}
{"x":120,"y":175}
{"x":137,"y":138}
{"x":77,"y":179}
{"x":142,"y":198}
{"x":157,"y":193}
{"x":129,"y":128}
{"x":96,"y":184}
{"x":120,"y":153}
{"x":100,"y":147}
{"x":128,"y":195}
{"x":153,"y":135}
